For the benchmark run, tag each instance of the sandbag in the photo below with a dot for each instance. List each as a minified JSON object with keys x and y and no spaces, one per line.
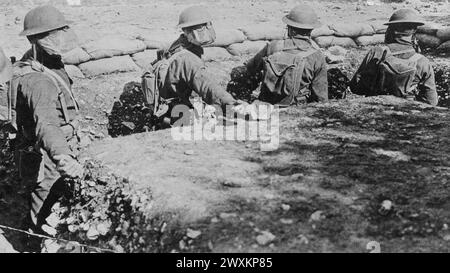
{"x":430,"y":29}
{"x":370,"y":40}
{"x":443,"y":34}
{"x":108,"y":66}
{"x":352,"y":30}
{"x":428,"y":41}
{"x":216,"y":54}
{"x":322,"y":31}
{"x":145,"y":58}
{"x":76,"y":56}
{"x":152,"y":43}
{"x":247,"y":47}
{"x":444,"y":48}
{"x":74,"y":72}
{"x":327,"y":41}
{"x":379,"y":27}
{"x":111,"y":46}
{"x":263,"y":32}
{"x":226,"y":37}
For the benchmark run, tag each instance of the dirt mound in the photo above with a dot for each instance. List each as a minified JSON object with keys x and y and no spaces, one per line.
{"x":346,"y":173}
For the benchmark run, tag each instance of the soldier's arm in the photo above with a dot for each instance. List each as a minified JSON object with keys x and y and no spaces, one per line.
{"x":193,"y":71}
{"x":43,"y":101}
{"x":319,"y":85}
{"x":427,"y":84}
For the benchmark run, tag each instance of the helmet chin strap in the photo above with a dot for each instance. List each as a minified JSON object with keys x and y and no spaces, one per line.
{"x":33,"y":47}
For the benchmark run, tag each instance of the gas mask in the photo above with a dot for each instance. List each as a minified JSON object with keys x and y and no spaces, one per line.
{"x":58,"y":42}
{"x":201,"y":35}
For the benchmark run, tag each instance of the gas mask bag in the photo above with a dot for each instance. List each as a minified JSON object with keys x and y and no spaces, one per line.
{"x":202,"y":35}
{"x":59,"y":42}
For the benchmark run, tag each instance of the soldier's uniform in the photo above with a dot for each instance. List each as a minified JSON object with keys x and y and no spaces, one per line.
{"x":400,"y":44}
{"x":314,"y":75}
{"x":424,"y":76}
{"x":47,"y":125}
{"x":45,"y":112}
{"x":187,"y":72}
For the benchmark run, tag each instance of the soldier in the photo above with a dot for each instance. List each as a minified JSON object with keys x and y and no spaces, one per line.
{"x":185,"y":70}
{"x":396,"y":68}
{"x":293,"y":70}
{"x":45,"y":113}
{"x":5,"y":78}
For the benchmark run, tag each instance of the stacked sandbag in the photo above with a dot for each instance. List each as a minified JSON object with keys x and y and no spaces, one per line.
{"x":152,"y":43}
{"x":444,"y":47}
{"x":433,"y":36}
{"x":74,"y":72}
{"x":428,"y":41}
{"x":327,"y":41}
{"x":379,"y":27}
{"x":352,"y":30}
{"x":76,"y":56}
{"x":322,"y":31}
{"x":227,"y":37}
{"x":108,"y":66}
{"x":247,"y":47}
{"x":111,"y":46}
{"x":145,"y":58}
{"x":370,"y":40}
{"x":263,"y":32}
{"x":216,"y":54}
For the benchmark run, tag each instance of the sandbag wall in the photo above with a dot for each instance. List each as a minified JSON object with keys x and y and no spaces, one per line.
{"x":114,"y":54}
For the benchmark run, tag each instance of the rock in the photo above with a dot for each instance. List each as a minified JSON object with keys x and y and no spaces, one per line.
{"x":447,"y":238}
{"x":287,"y":221}
{"x":225,"y":215}
{"x":265,"y":238}
{"x":395,"y":155}
{"x":317,"y":216}
{"x":214,"y":220}
{"x":189,"y":152}
{"x":193,"y":234}
{"x":182,"y":245}
{"x":129,"y":125}
{"x":285,"y":207}
{"x":232,"y":183}
{"x":386,"y":207}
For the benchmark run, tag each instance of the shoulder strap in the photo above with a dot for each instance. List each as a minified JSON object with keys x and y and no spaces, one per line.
{"x":300,"y":60}
{"x":56,"y":79}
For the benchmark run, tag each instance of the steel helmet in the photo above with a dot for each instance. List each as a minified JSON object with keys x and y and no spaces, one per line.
{"x":406,"y":16}
{"x":6,"y":70}
{"x":43,"y":19}
{"x":302,"y":16}
{"x":195,"y":15}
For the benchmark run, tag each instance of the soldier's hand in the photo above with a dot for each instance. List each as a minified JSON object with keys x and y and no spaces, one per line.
{"x":242,"y":108}
{"x":68,"y":166}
